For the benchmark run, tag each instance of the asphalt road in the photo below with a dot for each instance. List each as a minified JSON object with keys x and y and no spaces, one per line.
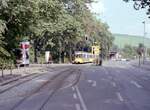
{"x":114,"y":86}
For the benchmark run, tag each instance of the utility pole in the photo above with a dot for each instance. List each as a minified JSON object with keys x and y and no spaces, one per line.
{"x":144,"y":48}
{"x":60,"y":46}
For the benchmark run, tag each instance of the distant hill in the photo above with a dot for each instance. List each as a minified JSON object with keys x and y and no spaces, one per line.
{"x":123,"y":39}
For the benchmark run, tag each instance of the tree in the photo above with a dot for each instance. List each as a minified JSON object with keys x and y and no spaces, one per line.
{"x":3,"y":52}
{"x":129,"y":51}
{"x":141,"y":4}
{"x":56,"y":25}
{"x":148,"y":52}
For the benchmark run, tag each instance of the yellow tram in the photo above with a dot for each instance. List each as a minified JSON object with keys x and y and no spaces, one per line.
{"x":82,"y":57}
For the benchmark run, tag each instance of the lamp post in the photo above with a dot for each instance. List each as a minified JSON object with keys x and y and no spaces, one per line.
{"x":60,"y":49}
{"x":144,"y":43}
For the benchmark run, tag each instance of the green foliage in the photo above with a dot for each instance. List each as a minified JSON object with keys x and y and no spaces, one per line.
{"x":129,"y":51}
{"x":55,"y":25}
{"x":122,"y":39}
{"x":148,"y":52}
{"x":3,"y":51}
{"x":141,"y":4}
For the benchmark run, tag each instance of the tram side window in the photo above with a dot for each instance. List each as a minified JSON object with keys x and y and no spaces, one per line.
{"x":84,"y":55}
{"x":78,"y":56}
{"x":87,"y":56}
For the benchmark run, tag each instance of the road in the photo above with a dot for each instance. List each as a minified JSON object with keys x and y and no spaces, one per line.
{"x":114,"y":86}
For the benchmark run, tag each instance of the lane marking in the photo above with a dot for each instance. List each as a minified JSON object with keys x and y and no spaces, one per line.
{"x":103,"y":79}
{"x":73,"y":89}
{"x":78,"y":107}
{"x":94,"y":84}
{"x":105,"y":71}
{"x":114,"y":84}
{"x":66,"y":86}
{"x":120,"y":97}
{"x":81,"y":99}
{"x":136,"y":84}
{"x":74,"y":96}
{"x":89,"y":81}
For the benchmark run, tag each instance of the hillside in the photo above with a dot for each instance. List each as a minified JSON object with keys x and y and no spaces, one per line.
{"x":123,"y":39}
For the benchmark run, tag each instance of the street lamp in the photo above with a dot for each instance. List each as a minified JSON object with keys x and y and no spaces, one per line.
{"x":144,"y":42}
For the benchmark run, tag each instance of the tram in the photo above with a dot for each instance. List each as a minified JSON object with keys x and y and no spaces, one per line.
{"x":84,"y":57}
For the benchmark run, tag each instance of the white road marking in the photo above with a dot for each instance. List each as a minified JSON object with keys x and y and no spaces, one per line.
{"x":120,"y":97}
{"x":105,"y":71}
{"x":81,"y":99}
{"x":73,"y":89}
{"x":103,"y":79}
{"x":94,"y":84}
{"x":136,"y":84}
{"x":41,"y":80}
{"x":74,"y":96}
{"x":78,"y":107}
{"x":114,"y":84}
{"x":67,"y":86}
{"x":89,"y":81}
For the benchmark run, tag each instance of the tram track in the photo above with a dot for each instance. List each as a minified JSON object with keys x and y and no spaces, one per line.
{"x":54,"y":83}
{"x":74,"y":81}
{"x":21,"y":80}
{"x":25,"y":76}
{"x":15,"y":79}
{"x":60,"y":85}
{"x":29,"y":78}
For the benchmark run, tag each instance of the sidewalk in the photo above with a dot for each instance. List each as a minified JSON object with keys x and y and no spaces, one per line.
{"x":145,"y":66}
{"x":20,"y":72}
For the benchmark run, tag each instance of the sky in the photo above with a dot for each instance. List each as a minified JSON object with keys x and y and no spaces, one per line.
{"x":121,"y":17}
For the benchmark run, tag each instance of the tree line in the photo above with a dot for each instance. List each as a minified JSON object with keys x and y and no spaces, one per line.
{"x":59,"y":26}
